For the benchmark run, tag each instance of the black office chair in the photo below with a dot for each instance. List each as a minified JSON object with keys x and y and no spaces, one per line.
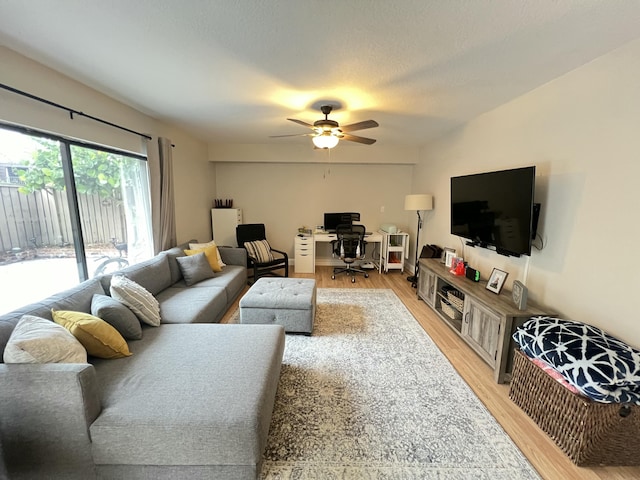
{"x":349,"y":246}
{"x":261,"y":258}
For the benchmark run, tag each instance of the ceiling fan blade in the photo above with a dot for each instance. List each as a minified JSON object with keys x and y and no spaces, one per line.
{"x":359,"y":126}
{"x":300,"y":122}
{"x":355,"y":138}
{"x":294,"y":135}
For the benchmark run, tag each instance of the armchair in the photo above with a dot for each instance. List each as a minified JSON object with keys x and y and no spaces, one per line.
{"x":349,"y":246}
{"x":261,"y":258}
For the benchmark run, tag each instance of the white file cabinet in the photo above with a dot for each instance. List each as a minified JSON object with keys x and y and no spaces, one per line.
{"x":304,"y":254}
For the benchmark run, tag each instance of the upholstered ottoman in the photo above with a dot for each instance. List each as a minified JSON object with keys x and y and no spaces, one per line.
{"x":290,"y":302}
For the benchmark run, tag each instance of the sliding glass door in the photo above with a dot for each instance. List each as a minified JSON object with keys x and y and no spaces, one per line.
{"x":68,"y":211}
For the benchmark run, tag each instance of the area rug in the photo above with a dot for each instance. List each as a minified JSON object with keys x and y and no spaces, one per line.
{"x":370,"y":396}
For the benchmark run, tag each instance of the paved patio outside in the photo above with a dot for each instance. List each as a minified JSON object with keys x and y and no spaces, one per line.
{"x":31,"y":280}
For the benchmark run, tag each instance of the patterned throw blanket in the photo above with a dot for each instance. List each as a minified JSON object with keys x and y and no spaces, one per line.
{"x":598,"y":365}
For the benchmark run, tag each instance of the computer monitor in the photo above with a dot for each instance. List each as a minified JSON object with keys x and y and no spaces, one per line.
{"x":332,"y":220}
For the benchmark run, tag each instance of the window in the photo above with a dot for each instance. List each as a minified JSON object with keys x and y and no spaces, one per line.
{"x":58,"y":229}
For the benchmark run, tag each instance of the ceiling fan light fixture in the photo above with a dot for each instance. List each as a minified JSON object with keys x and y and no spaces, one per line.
{"x":326,"y":140}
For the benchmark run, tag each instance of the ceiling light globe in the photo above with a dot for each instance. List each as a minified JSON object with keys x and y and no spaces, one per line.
{"x":325,"y":140}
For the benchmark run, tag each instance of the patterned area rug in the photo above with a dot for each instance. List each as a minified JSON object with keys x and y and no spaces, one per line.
{"x":370,"y":396}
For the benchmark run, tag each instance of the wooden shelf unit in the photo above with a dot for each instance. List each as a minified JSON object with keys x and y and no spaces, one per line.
{"x":485,"y":322}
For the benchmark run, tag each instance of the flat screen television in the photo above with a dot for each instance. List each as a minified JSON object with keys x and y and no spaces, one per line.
{"x":495,"y":209}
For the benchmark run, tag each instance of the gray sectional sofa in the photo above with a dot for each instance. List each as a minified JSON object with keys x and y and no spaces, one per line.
{"x":193,"y":401}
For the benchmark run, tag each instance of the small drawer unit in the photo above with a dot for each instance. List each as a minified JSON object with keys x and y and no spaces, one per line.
{"x":304,"y":254}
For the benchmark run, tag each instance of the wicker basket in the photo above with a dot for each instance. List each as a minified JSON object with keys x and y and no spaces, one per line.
{"x":449,"y":310}
{"x":590,"y":433}
{"x":456,"y":298}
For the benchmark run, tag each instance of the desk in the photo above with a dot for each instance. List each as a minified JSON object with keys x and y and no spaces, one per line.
{"x":311,"y":241}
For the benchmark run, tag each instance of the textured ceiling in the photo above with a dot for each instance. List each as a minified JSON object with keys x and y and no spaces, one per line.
{"x":233,"y":71}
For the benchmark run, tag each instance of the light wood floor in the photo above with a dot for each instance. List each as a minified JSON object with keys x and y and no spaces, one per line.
{"x":550,"y":462}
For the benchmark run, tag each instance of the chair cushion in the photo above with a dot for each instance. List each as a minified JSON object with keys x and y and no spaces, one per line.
{"x":259,"y":251}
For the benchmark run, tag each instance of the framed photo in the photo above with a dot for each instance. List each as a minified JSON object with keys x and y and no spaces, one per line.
{"x":449,"y":255}
{"x":496,"y":280}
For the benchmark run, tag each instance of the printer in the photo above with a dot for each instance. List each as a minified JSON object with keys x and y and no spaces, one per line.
{"x":389,"y":228}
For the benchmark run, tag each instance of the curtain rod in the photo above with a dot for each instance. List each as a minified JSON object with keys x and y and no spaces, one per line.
{"x":71,"y":111}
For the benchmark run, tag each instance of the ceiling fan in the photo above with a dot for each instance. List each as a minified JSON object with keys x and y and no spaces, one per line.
{"x":327,"y":133}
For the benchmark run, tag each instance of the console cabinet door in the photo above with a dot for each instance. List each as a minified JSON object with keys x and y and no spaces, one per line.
{"x":427,"y":286}
{"x":481,"y":329}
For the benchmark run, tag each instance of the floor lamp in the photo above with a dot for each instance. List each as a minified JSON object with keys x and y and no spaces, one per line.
{"x":417,"y":202}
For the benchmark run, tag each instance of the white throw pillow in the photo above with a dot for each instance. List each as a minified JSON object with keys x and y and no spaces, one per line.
{"x":198,"y":246}
{"x":38,"y":340}
{"x":137,"y":298}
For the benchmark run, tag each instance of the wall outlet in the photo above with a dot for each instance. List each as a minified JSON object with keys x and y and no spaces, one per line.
{"x":382,"y":209}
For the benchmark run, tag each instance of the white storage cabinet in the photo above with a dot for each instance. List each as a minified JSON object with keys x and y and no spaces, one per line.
{"x":304,"y":255}
{"x":223,"y":225}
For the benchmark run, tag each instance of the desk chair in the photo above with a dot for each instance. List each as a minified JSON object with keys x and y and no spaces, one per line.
{"x":261,"y":258}
{"x":349,"y":246}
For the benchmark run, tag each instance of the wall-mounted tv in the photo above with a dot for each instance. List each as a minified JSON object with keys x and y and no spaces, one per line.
{"x":495,"y":209}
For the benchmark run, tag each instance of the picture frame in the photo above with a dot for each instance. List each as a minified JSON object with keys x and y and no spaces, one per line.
{"x":455,"y":261}
{"x":449,"y":255}
{"x":496,"y":280}
{"x":519,"y":294}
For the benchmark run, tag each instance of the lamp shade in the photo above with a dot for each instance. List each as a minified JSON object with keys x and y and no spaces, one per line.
{"x":326,"y":140}
{"x":418,"y":202}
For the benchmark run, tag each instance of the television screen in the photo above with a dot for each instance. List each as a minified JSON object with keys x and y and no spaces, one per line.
{"x":495,"y":209}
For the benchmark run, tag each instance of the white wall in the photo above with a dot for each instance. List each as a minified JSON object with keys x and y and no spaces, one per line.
{"x":581,"y":131}
{"x":194,"y":182}
{"x":285,"y":196}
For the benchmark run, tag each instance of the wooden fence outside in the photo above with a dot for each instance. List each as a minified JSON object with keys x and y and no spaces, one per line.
{"x":41,"y":219}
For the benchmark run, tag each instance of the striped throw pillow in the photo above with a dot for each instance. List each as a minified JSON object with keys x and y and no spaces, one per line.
{"x":259,"y":251}
{"x":137,"y":298}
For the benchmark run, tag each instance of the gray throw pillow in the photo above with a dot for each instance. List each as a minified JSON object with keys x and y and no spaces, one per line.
{"x":195,"y":268}
{"x":117,"y":315}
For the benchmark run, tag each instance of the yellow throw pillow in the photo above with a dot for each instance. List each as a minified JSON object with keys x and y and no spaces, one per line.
{"x":211,"y":253}
{"x":98,"y":337}
{"x":195,"y":246}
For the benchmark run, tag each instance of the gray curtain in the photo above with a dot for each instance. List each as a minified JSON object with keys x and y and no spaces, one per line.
{"x":163,"y":218}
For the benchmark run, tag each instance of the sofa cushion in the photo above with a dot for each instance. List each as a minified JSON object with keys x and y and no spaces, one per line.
{"x":172,"y":255}
{"x":192,"y":304}
{"x":197,"y":246}
{"x":153,"y":274}
{"x":98,"y":337}
{"x":211,"y":253}
{"x":233,"y":256}
{"x":191,"y":395}
{"x":38,"y":340}
{"x":137,"y":298}
{"x":195,"y":268}
{"x":118,"y":315}
{"x":233,"y":279}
